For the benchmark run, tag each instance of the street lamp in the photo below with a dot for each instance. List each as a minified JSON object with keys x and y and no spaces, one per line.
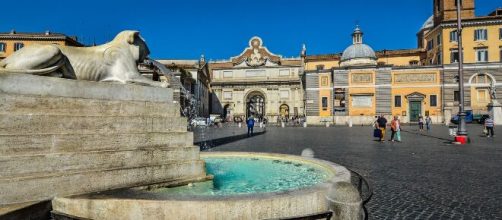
{"x":462,"y":131}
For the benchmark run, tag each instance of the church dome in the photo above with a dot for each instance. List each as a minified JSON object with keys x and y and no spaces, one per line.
{"x":358,"y":53}
{"x":428,"y":24}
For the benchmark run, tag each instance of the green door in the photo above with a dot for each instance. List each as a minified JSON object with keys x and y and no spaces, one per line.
{"x":415,"y":110}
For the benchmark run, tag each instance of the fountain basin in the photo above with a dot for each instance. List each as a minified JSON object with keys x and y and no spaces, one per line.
{"x":246,"y":186}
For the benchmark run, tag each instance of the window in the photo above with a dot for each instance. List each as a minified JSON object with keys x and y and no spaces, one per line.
{"x":454,"y":56}
{"x":453,"y":36}
{"x":18,"y":46}
{"x":2,"y":47}
{"x":324,"y":103}
{"x":397,"y":101}
{"x":482,"y":95}
{"x":255,"y":73}
{"x":414,"y":63}
{"x":461,"y":3}
{"x":480,"y":34}
{"x":430,"y":44}
{"x":283,"y":72}
{"x":324,"y":81}
{"x":438,"y":5}
{"x":284,"y":94}
{"x":319,"y":67}
{"x":438,"y":39}
{"x":500,"y":34}
{"x":228,"y":74}
{"x":439,"y":58}
{"x":481,"y":79}
{"x":500,"y":51}
{"x":362,"y":101}
{"x":434,"y":100}
{"x":227,"y":95}
{"x":482,"y":55}
{"x":456,"y":96}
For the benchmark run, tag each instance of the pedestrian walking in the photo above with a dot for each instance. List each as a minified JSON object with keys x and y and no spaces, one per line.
{"x":250,"y":124}
{"x":382,"y":124}
{"x":428,"y":122}
{"x":489,"y":127}
{"x":395,"y":127}
{"x":421,"y":123}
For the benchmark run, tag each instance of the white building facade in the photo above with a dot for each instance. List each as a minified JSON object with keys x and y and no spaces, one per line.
{"x":257,"y":83}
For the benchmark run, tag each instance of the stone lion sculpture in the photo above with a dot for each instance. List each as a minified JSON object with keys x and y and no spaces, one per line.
{"x":115,"y":61}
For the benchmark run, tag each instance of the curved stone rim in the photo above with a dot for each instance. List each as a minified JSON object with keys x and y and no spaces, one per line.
{"x":339,"y":174}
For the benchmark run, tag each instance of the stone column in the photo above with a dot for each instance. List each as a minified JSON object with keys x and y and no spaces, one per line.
{"x":495,"y":109}
{"x":447,"y":113}
{"x":345,"y":202}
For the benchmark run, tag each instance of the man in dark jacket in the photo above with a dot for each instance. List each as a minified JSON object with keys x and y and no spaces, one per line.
{"x":250,"y":124}
{"x":382,"y":125}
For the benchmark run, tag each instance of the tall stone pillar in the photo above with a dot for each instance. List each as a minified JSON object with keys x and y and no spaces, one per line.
{"x":495,"y":109}
{"x":447,"y":114}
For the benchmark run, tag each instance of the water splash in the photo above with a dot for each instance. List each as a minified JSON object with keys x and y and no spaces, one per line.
{"x":189,"y":110}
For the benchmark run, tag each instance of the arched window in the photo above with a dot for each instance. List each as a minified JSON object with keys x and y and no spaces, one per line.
{"x":284,"y":110}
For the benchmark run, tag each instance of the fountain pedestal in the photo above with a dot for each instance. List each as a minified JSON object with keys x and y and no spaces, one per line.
{"x":62,"y":137}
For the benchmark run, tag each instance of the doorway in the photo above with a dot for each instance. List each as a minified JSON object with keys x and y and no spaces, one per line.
{"x":415,"y":110}
{"x":255,"y":105}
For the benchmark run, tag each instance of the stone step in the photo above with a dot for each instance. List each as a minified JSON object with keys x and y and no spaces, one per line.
{"x":65,"y":124}
{"x":19,"y":166}
{"x":37,"y":105}
{"x":26,"y":84}
{"x":11,"y":145}
{"x":39,"y":188}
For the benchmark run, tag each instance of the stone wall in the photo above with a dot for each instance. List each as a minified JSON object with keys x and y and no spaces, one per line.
{"x":62,"y":137}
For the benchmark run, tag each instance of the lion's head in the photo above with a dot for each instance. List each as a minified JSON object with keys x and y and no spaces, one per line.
{"x":138,"y":46}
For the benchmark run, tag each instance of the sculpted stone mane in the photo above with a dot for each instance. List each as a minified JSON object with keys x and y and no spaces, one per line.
{"x":116,"y":61}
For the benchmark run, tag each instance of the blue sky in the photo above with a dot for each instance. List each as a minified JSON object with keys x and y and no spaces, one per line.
{"x":220,"y":29}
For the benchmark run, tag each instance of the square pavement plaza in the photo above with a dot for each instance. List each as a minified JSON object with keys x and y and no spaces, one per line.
{"x":424,"y":177}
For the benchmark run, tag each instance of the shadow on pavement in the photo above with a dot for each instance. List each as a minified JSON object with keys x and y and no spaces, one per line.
{"x":208,"y":144}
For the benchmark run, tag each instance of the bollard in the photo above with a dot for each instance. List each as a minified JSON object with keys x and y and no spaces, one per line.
{"x":261,"y":124}
{"x":283,"y":125}
{"x":240,"y":125}
{"x":345,"y":202}
{"x":350,"y":123}
{"x":327,"y":124}
{"x":307,"y":152}
{"x":304,"y":124}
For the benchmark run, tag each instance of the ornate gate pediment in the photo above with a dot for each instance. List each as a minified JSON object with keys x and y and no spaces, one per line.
{"x":256,"y":55}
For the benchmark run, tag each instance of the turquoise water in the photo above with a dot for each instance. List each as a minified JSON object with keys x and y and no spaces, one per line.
{"x":240,"y":175}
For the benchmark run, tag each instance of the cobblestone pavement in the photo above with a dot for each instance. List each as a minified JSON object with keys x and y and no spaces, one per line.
{"x":424,"y":177}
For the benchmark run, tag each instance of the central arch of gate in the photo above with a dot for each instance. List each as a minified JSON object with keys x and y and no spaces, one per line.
{"x":255,"y":104}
